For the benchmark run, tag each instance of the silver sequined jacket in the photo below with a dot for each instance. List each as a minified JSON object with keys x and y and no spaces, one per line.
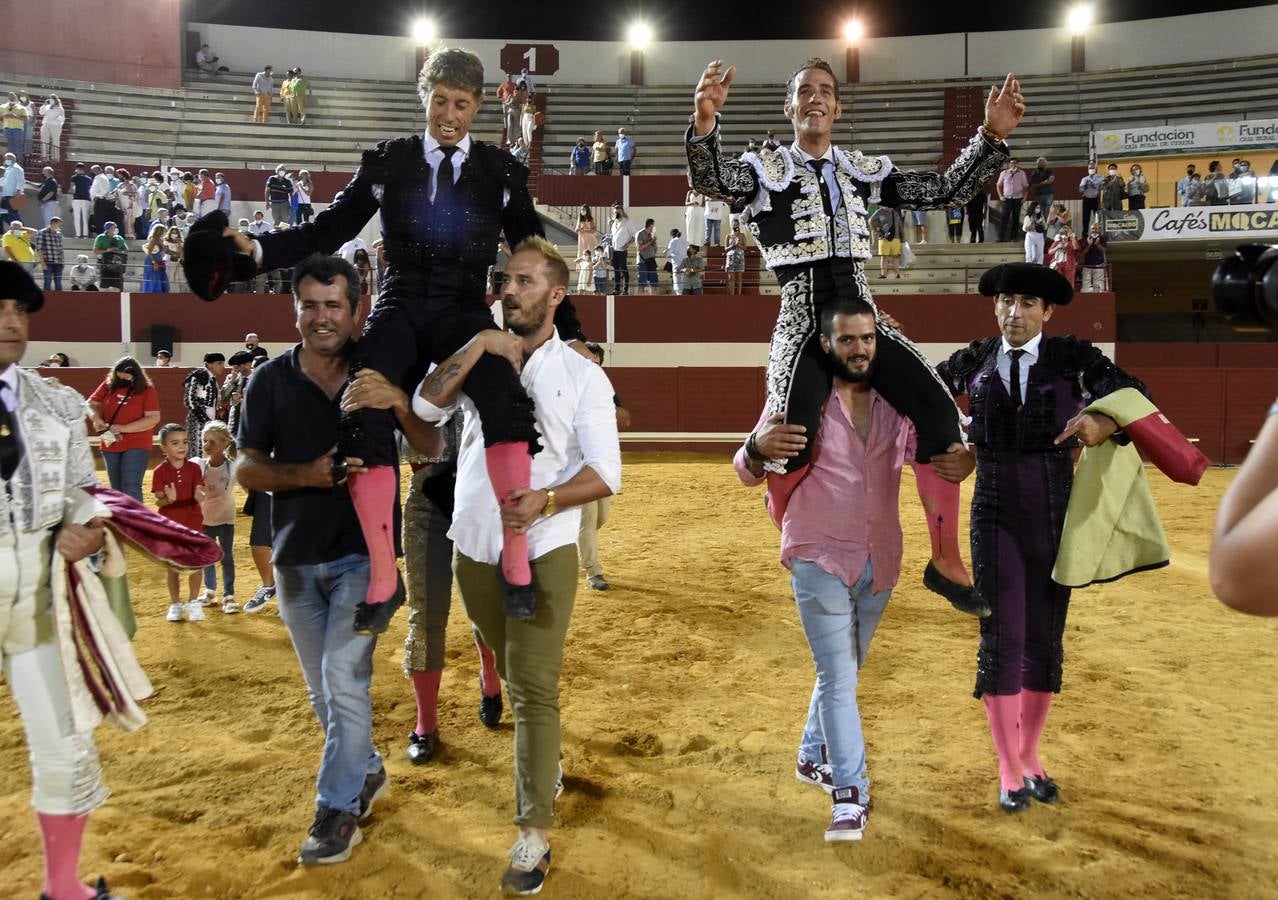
{"x":56,"y":456}
{"x":779,"y":198}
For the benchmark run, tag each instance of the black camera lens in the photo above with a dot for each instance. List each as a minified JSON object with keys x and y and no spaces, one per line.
{"x":1245,"y":285}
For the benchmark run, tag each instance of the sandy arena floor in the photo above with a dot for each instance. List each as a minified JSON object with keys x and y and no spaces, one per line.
{"x":684,"y":693}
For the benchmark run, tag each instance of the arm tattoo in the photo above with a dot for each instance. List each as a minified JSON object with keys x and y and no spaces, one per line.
{"x":435,"y":384}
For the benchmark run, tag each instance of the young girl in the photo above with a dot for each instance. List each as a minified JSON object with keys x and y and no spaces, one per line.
{"x":734,"y":259}
{"x":178,"y":486}
{"x":585,"y":267}
{"x":218,"y":509}
{"x":155,"y":268}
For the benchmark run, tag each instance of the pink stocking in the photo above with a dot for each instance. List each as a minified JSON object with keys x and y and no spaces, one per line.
{"x":1034,"y":707}
{"x":62,"y":836}
{"x":426,"y":689}
{"x":780,"y":487}
{"x":489,"y":680}
{"x":509,"y":469}
{"x":1004,"y":714}
{"x":941,"y":507}
{"x":373,"y":493}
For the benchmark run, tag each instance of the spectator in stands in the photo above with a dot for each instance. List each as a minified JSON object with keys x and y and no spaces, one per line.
{"x":976,"y":217}
{"x":511,"y":106}
{"x":286,"y":96}
{"x":1195,"y":192}
{"x":886,"y":227}
{"x":103,"y":195}
{"x":347,"y":250}
{"x":163,"y":359}
{"x":1137,"y":188}
{"x":157,"y":197}
{"x":694,"y":218}
{"x":585,"y":263}
{"x":1094,"y":260}
{"x":676,"y":252}
{"x":734,"y":259}
{"x":600,"y":269}
{"x":17,"y":246}
{"x":129,"y":204}
{"x":263,"y":88}
{"x":1183,"y":185}
{"x":1113,"y":190}
{"x":364,"y":266}
{"x":81,"y":201}
{"x":222,"y":194}
{"x":1062,"y":255}
{"x":1217,"y":185}
{"x":526,"y":81}
{"x":1010,"y":189}
{"x":301,"y":95}
{"x":83,"y":276}
{"x":1242,"y":183}
{"x":260,"y":225}
{"x":601,"y":155}
{"x":919,"y":218}
{"x":13,"y":115}
{"x":303,"y":190}
{"x":1273,"y":181}
{"x":1035,"y":228}
{"x":253,"y":346}
{"x":28,"y":125}
{"x":528,"y":124}
{"x":279,"y":192}
{"x":190,"y":193}
{"x":56,"y":361}
{"x":646,"y":256}
{"x":770,"y":142}
{"x":52,"y":117}
{"x":205,"y":193}
{"x":587,"y":230}
{"x":625,"y":151}
{"x":113,"y":257}
{"x":1090,"y":187}
{"x":623,"y":233}
{"x":954,"y":221}
{"x":716,"y":212}
{"x":579,"y":158}
{"x":48,"y":244}
{"x":691,"y":270}
{"x":155,"y":262}
{"x":1057,"y":217}
{"x":1042,"y":183}
{"x":47,"y":195}
{"x":206,"y":61}
{"x":12,"y":184}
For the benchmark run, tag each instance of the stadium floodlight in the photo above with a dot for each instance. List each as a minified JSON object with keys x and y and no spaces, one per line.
{"x":640,"y":36}
{"x":853,"y":31}
{"x":423,"y":31}
{"x":1080,"y":17}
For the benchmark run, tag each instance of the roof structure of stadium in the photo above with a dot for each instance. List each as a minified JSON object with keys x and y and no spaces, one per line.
{"x":677,"y":19}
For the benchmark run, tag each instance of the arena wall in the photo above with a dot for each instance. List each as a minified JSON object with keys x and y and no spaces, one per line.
{"x":1041,"y":51}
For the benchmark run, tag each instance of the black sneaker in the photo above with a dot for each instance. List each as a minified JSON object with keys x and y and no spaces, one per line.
{"x":489,"y":708}
{"x":421,"y":747}
{"x":529,"y":863}
{"x":262,"y":596}
{"x":374,"y":618}
{"x":333,"y":835}
{"x":375,"y":788}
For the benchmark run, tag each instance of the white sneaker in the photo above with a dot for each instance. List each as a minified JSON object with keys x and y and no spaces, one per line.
{"x":529,"y":863}
{"x":559,"y":782}
{"x":229,"y":606}
{"x":205,"y":596}
{"x":195,"y":611}
{"x":175,"y":612}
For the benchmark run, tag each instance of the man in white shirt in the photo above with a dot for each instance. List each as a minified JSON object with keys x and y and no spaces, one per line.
{"x":263,"y":88}
{"x":580,"y":462}
{"x":676,"y":253}
{"x":716,"y":211}
{"x":103,"y":198}
{"x":347,"y":250}
{"x":623,"y":231}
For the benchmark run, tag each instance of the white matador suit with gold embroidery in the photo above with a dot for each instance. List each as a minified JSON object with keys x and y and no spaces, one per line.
{"x":809,"y":218}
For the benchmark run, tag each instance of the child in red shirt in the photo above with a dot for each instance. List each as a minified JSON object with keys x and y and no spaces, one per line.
{"x":178,"y":486}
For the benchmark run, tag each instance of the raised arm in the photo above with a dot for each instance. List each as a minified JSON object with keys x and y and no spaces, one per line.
{"x":709,"y":172}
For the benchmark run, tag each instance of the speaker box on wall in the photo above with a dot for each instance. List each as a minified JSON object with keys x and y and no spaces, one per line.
{"x":163,"y":337}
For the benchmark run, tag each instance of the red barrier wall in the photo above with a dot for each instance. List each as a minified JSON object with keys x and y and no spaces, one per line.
{"x":130,"y":42}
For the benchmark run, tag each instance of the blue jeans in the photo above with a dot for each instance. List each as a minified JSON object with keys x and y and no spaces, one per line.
{"x":15,"y":143}
{"x":53,"y":276}
{"x":838,"y":622}
{"x":712,"y":231}
{"x":317,"y":604}
{"x":225,"y":537}
{"x":125,"y":469}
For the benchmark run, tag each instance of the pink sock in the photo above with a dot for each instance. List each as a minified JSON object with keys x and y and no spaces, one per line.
{"x":1034,"y":707}
{"x":373,"y":493}
{"x":62,"y":835}
{"x":941,"y":508}
{"x":1004,"y":714}
{"x":426,"y":689}
{"x":489,"y":680}
{"x":509,"y":469}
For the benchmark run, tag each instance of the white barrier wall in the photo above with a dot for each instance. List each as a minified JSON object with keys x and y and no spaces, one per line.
{"x":1042,"y":51}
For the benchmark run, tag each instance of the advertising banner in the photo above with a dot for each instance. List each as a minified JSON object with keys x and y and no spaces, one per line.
{"x":1194,"y":223}
{"x":1185,"y":137}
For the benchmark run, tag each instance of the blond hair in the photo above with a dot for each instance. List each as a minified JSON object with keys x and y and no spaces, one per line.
{"x":546,"y":250}
{"x":219,"y":428}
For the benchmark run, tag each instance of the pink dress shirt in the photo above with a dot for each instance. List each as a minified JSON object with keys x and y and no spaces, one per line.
{"x":846,"y":510}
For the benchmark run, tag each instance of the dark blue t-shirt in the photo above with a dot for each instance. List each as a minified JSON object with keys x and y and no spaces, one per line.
{"x":581,"y":156}
{"x":80,"y":185}
{"x":288,"y":417}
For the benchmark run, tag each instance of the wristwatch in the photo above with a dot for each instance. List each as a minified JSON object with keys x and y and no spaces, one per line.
{"x":549,"y":509}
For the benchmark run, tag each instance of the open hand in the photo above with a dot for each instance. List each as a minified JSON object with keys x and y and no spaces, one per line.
{"x":712,"y":93}
{"x":1005,"y":107}
{"x":170,"y":493}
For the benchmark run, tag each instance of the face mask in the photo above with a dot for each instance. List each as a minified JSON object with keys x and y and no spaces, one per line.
{"x":218,"y":180}
{"x":1113,"y":171}
{"x":8,"y":163}
{"x":1243,"y":168}
{"x":1091,"y":171}
{"x":243,"y":229}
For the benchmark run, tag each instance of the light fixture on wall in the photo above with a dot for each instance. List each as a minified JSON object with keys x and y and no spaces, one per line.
{"x":423,"y":31}
{"x":1077,"y":21}
{"x":640,"y":36}
{"x":853,"y":33}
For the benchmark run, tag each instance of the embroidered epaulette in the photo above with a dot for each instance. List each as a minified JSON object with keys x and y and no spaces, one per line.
{"x":775,"y":168}
{"x":64,"y":402}
{"x":870,"y":169}
{"x":388,"y":159}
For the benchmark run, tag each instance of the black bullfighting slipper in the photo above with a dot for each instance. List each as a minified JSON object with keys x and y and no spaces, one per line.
{"x":518,"y":601}
{"x":1014,"y":801}
{"x":422,"y":747}
{"x":964,"y":598}
{"x":212,"y":262}
{"x":101,"y":892}
{"x":374,"y":618}
{"x":489,"y":707}
{"x":1042,"y":788}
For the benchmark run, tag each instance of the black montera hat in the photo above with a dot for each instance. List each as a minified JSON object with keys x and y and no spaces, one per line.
{"x":1029,"y":279}
{"x":16,"y":283}
{"x":210,"y":260}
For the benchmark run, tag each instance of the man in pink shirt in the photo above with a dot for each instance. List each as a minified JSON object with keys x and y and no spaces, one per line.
{"x":1012,"y":183}
{"x":841,"y":540}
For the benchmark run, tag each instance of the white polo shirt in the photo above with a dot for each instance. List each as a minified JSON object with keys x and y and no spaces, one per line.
{"x":577,"y":421}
